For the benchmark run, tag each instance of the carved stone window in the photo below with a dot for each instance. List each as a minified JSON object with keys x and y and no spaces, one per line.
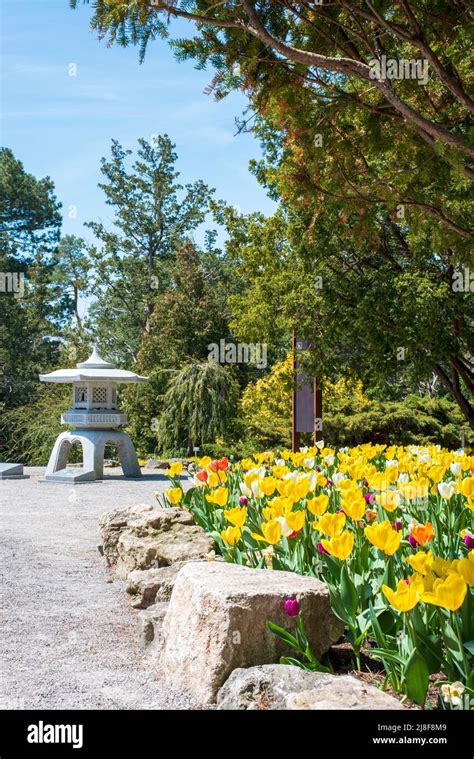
{"x":80,"y":394}
{"x":99,"y":395}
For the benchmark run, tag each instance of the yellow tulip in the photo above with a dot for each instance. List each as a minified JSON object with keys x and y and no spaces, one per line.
{"x":279,"y":471}
{"x":175,"y":469}
{"x":344,"y":485}
{"x":448,"y":593}
{"x":340,"y":546}
{"x":267,"y":485}
{"x":281,"y":505}
{"x":321,"y":480}
{"x":380,"y":480}
{"x":231,"y":535}
{"x":355,"y":471}
{"x":174,"y":495}
{"x":436,"y":473}
{"x":219,"y":496}
{"x":204,"y":462}
{"x":236,"y":516}
{"x":353,"y":504}
{"x":251,"y":477}
{"x":294,"y":490}
{"x":389,"y":499}
{"x":466,"y":487}
{"x":405,"y":597}
{"x":269,"y":513}
{"x":331,"y":524}
{"x":421,"y":562}
{"x":352,"y":495}
{"x":465,"y":568}
{"x":414,"y":490}
{"x":295,"y":520}
{"x":440,"y":567}
{"x":384,"y":537}
{"x":216,"y":478}
{"x":318,"y":505}
{"x":271,"y":532}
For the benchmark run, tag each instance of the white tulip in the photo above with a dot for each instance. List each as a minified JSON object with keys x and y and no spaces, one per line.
{"x":285,"y":529}
{"x":447,"y":490}
{"x":425,"y":458}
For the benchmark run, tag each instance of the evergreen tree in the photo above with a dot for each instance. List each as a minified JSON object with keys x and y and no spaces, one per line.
{"x":153,"y":216}
{"x":31,"y":318}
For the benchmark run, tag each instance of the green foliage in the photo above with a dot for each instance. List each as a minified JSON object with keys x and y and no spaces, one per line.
{"x":143,"y":403}
{"x":29,"y":431}
{"x":266,"y":406}
{"x":154,"y":216}
{"x":414,"y":420}
{"x":198,"y":406}
{"x":385,"y":141}
{"x":367,"y":307}
{"x":373,"y":176}
{"x":189,"y":315}
{"x":349,"y":416}
{"x":32,"y":319}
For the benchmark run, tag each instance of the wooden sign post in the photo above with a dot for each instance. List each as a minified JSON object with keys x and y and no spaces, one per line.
{"x":307,"y":407}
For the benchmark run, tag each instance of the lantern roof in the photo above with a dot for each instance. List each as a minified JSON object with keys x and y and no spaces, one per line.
{"x":95,"y":368}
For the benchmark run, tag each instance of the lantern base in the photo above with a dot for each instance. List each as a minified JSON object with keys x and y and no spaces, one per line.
{"x":93,"y":444}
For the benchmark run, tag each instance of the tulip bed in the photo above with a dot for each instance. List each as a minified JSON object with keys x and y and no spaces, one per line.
{"x":389,"y":529}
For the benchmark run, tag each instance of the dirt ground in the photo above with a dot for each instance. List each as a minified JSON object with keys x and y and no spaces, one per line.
{"x":68,"y":636}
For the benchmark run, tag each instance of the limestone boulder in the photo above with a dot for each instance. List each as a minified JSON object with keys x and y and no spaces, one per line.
{"x":150,"y":586}
{"x":149,"y":624}
{"x":156,"y":464}
{"x":160,"y":538}
{"x":281,"y":686}
{"x":111,"y":525}
{"x":144,"y":537}
{"x":216,"y":622}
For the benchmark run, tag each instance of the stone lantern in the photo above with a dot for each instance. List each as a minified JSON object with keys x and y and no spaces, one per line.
{"x":95,"y":418}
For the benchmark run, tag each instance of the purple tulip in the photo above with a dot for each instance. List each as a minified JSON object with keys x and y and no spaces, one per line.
{"x":340,"y":511}
{"x":369,"y":498}
{"x":330,"y":483}
{"x":469,"y":541}
{"x":292,"y":607}
{"x":318,"y":468}
{"x":397,"y":525}
{"x":321,"y":549}
{"x":366,"y":484}
{"x":243,"y":500}
{"x":413,"y":542}
{"x":407,"y":581}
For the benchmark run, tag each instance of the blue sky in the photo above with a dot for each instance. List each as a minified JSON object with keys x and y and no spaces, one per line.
{"x":61,"y":125}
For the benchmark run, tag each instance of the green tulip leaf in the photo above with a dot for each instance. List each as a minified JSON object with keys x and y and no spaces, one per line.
{"x":416,"y":676}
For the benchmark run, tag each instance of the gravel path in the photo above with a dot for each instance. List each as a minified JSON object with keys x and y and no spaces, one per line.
{"x":68,"y":636}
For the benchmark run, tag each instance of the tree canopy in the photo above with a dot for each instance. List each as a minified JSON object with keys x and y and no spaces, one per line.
{"x":33,"y":306}
{"x":153,"y":216}
{"x":314,"y":71}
